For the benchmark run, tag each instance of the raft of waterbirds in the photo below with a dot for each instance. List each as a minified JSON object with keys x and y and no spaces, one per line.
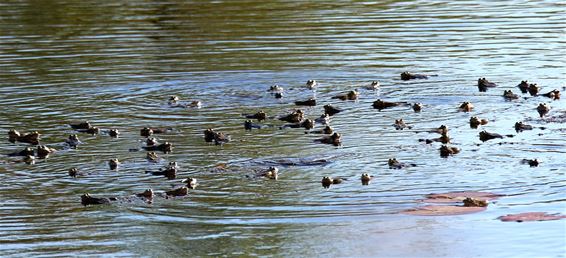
{"x":295,"y":119}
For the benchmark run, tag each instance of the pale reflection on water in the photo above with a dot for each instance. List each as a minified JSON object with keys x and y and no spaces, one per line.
{"x":116,"y":64}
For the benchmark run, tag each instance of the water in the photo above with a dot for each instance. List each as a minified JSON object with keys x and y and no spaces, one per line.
{"x":116,"y":64}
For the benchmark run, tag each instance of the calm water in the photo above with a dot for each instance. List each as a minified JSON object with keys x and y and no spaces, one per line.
{"x":116,"y":63}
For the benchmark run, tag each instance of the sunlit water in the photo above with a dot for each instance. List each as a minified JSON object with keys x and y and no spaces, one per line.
{"x":115,"y":64}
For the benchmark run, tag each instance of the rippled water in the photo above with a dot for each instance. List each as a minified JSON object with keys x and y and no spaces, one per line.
{"x":116,"y":64}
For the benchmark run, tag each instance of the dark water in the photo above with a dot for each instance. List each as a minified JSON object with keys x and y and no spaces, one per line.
{"x":116,"y":63}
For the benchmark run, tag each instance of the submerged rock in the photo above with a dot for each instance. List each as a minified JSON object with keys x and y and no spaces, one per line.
{"x":530,"y":216}
{"x":472,"y":202}
{"x":443,"y":210}
{"x":459,"y":196}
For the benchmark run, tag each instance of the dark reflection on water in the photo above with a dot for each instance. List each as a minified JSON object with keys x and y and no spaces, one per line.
{"x":115,"y":64}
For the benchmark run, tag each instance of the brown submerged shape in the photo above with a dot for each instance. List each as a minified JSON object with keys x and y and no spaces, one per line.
{"x":459,"y":196}
{"x":472,"y":202}
{"x":442,"y":210}
{"x":531,"y":216}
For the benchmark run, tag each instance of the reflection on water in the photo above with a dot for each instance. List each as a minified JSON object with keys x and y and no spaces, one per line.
{"x":116,"y":64}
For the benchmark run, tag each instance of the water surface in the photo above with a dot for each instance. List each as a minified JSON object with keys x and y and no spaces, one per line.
{"x":116,"y":64}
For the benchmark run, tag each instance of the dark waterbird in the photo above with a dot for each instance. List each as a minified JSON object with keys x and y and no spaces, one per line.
{"x":249,"y":125}
{"x":32,"y":138}
{"x":326,"y":130}
{"x":152,"y":157}
{"x":444,"y":138}
{"x":394,"y":164}
{"x":446,"y":151}
{"x":400,"y":125}
{"x":366,"y":178}
{"x":509,"y":95}
{"x":114,"y":133}
{"x":351,"y":95}
{"x":524,"y":86}
{"x":475,"y":122}
{"x":259,"y":116}
{"x":466,"y":106}
{"x":327,"y":181}
{"x":553,"y":94}
{"x":417,"y":107}
{"x":486,"y":136}
{"x":149,"y":131}
{"x":275,"y":88}
{"x":113,"y":164}
{"x":295,"y":117}
{"x":533,"y":89}
{"x":323,"y":119}
{"x":531,"y":162}
{"x":190,"y":182}
{"x":165,"y":147}
{"x":405,"y":76}
{"x":483,"y":84}
{"x":309,"y":102}
{"x":330,"y":110}
{"x":175,"y":102}
{"x":73,"y":172}
{"x":311,"y":84}
{"x":543,"y":109}
{"x":170,"y":171}
{"x":520,"y":126}
{"x":334,"y":139}
{"x":380,"y":104}
{"x":25,"y":152}
{"x":82,"y":125}
{"x":73,"y":141}
{"x":44,"y":151}
{"x":307,"y":124}
{"x":374,"y":85}
{"x":219,"y":138}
